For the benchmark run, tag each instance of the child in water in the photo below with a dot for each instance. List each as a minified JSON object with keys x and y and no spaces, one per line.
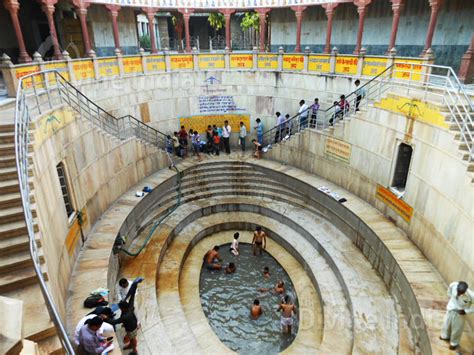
{"x":234,"y":247}
{"x":230,"y":269}
{"x":256,"y":310}
{"x":287,"y":310}
{"x":266,"y":272}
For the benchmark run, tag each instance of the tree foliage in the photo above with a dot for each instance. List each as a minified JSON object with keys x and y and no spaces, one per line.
{"x":145,"y":42}
{"x":216,"y":20}
{"x":250,"y":20}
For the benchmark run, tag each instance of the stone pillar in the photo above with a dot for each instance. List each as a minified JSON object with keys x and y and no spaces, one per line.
{"x":466,"y":71}
{"x":186,"y":15}
{"x":262,"y":14}
{"x":361,"y":9}
{"x":13,"y":6}
{"x":48,"y":8}
{"x":435,"y":6}
{"x":397,"y":6}
{"x":81,"y":11}
{"x":228,"y":36}
{"x":299,"y":22}
{"x":150,"y":14}
{"x":114,"y":10}
{"x":329,"y":13}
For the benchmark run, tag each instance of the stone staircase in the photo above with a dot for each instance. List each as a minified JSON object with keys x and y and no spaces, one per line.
{"x":17,"y":276}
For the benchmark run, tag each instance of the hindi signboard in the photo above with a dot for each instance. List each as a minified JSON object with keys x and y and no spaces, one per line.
{"x":293,"y":62}
{"x":267,"y":61}
{"x":241,"y":61}
{"x":346,"y":65}
{"x":319,"y":63}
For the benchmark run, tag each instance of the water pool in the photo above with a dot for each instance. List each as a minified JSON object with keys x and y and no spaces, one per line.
{"x":226,"y":300}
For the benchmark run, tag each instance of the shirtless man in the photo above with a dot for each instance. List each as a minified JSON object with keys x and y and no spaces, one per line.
{"x":287,"y":310}
{"x":259,"y":240}
{"x":278,"y":289}
{"x":266,"y":272}
{"x":212,"y":258}
{"x":256,"y":310}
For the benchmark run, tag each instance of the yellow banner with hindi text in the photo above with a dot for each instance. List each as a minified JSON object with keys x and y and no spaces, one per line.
{"x":108,"y":67}
{"x":267,"y":61}
{"x":391,"y":200}
{"x":155,"y":63}
{"x":181,"y":62}
{"x":408,"y":69}
{"x":319,"y":63}
{"x":83,"y":69}
{"x":374,"y":66}
{"x":293,"y":62}
{"x":211,"y":61}
{"x":241,"y":61}
{"x":346,"y":65}
{"x":132,"y":65}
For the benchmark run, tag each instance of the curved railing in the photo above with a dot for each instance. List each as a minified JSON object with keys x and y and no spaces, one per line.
{"x":36,"y":94}
{"x":369,"y":92}
{"x":22,"y":142}
{"x":438,"y":83}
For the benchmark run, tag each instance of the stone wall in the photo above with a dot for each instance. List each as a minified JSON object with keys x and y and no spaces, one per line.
{"x":451,"y":39}
{"x":102,"y":34}
{"x":99,"y":169}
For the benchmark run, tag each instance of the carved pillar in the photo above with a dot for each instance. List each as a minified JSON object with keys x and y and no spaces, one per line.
{"x":150,"y":14}
{"x":13,"y":6}
{"x":466,"y":71}
{"x":397,"y":6}
{"x":329,"y":13}
{"x":48,"y":8}
{"x":228,"y":36}
{"x":361,"y":9}
{"x":435,"y":6}
{"x":186,"y":15}
{"x":299,"y":22}
{"x":262,"y":14}
{"x":81,"y":11}
{"x":114,"y":10}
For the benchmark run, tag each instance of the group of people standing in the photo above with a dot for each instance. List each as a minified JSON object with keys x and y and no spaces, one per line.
{"x":212,"y":261}
{"x":95,"y":332}
{"x":217,"y":140}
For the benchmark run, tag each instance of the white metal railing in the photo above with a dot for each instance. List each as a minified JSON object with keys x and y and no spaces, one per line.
{"x":438,"y":84}
{"x":22,"y":141}
{"x":36,"y":94}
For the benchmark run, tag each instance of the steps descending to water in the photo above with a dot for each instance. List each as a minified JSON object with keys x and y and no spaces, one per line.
{"x":18,"y":279}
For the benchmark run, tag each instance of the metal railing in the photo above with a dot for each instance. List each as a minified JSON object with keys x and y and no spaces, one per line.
{"x":36,"y":94}
{"x":324,"y":118}
{"x":432,"y":83}
{"x":23,"y":114}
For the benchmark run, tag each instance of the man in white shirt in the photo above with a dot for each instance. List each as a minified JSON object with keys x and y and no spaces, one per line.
{"x":304,"y":113}
{"x":461,"y":302}
{"x":360,"y":93}
{"x":226,"y":130}
{"x":280,"y":127}
{"x":242,"y":135}
{"x":123,"y":288}
{"x":105,"y":329}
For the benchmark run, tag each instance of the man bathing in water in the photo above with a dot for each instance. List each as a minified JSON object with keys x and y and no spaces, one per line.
{"x":212,"y":258}
{"x":278,"y":289}
{"x":266,"y":272}
{"x":287,"y":310}
{"x":259,"y":241}
{"x":256,"y":310}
